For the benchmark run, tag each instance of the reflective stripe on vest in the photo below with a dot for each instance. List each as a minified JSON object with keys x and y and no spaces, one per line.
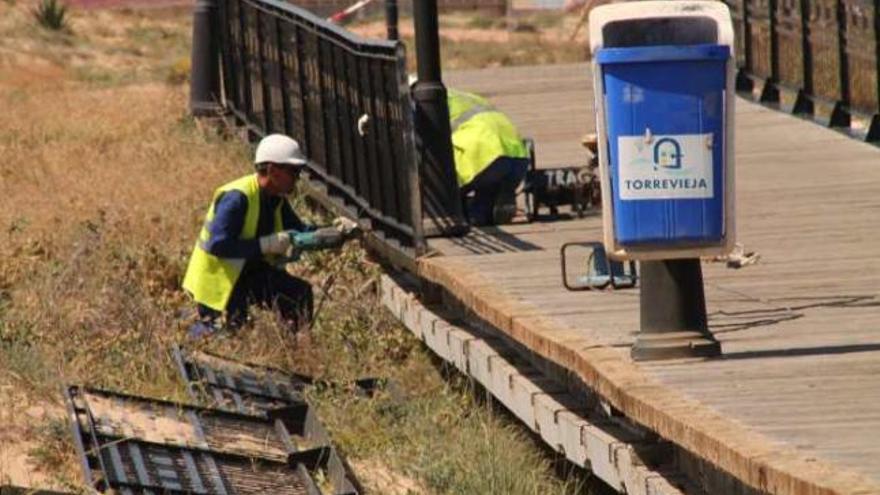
{"x":211,"y":279}
{"x":480,"y":135}
{"x":474,"y":110}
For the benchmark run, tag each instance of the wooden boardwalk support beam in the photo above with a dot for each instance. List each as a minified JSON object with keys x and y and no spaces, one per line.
{"x":560,"y":419}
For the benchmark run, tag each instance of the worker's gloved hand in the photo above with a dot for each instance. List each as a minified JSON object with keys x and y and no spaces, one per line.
{"x":344,"y":225}
{"x":277,"y":243}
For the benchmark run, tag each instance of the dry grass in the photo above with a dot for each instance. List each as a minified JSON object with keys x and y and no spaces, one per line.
{"x":101,"y":48}
{"x":103,"y":184}
{"x":101,"y":189}
{"x":469,"y":41}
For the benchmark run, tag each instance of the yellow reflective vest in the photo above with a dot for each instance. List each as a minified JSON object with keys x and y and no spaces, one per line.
{"x":480,"y":134}
{"x":210,"y":279}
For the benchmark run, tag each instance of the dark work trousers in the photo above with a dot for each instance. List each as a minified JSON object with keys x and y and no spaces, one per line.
{"x":496,"y":185}
{"x":264,"y":285}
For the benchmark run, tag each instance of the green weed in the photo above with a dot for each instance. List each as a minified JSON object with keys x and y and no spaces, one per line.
{"x":52,"y":15}
{"x":178,"y":72}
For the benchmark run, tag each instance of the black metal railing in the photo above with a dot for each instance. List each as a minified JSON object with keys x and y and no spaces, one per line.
{"x":343,"y":98}
{"x":812,"y":57}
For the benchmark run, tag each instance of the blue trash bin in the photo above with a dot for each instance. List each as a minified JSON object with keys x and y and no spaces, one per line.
{"x":665,"y":125}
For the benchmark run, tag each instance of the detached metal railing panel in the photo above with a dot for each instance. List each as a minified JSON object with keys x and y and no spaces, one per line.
{"x":285,"y":70}
{"x":819,"y":57}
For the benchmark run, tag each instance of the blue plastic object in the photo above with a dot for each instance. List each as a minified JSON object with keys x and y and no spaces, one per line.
{"x":598,"y":271}
{"x":601,"y":271}
{"x":664,"y":109}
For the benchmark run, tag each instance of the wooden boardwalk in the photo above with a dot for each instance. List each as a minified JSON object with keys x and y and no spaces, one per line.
{"x":793,"y":406}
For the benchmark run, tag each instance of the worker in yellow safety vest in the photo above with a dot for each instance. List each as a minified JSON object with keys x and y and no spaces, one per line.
{"x":249,"y":227}
{"x":491,"y":159}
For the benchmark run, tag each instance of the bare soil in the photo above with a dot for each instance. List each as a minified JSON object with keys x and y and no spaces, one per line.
{"x":19,"y":415}
{"x":383,"y":480}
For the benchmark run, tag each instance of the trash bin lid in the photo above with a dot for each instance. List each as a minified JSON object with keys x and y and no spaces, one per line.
{"x":662,"y":53}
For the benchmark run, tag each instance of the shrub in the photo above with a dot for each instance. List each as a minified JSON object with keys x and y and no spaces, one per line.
{"x":179,"y":71}
{"x":51,"y":15}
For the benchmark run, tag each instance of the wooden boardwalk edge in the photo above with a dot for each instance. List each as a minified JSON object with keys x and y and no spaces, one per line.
{"x":551,"y":412}
{"x":749,"y":456}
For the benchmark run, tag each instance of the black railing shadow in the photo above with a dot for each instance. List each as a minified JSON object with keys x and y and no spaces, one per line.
{"x":802,"y":352}
{"x":747,"y":321}
{"x":743,"y":320}
{"x":492,"y":240}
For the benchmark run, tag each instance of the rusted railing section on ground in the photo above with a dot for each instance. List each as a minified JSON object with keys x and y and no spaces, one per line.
{"x":816,"y":58}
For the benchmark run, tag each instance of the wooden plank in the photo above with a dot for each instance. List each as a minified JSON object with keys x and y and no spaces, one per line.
{"x":751,"y":457}
{"x":792,"y":406}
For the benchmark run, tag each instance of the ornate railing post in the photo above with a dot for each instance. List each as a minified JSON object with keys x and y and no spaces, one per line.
{"x":391,"y":19}
{"x":204,"y":95}
{"x":440,"y":191}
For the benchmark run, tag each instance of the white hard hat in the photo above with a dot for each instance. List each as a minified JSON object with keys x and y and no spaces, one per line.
{"x":412,"y":79}
{"x":281,"y":149}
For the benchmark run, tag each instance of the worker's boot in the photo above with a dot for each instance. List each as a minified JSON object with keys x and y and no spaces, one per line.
{"x":504,"y":208}
{"x":202,"y":329}
{"x":503,"y":214}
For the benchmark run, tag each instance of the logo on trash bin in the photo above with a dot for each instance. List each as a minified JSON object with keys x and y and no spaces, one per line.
{"x":667,"y":153}
{"x":665,"y":167}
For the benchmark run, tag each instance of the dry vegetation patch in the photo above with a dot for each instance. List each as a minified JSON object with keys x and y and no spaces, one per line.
{"x":474,"y":41}
{"x":101,"y":189}
{"x":26,"y":420}
{"x":104,"y":181}
{"x":99,"y":48}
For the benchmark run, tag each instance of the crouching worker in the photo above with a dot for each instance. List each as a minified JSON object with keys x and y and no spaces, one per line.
{"x":491,"y":159}
{"x":250,"y":228}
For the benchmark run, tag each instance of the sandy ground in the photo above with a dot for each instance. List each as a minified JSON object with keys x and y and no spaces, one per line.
{"x":18,"y":414}
{"x":383,"y":480}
